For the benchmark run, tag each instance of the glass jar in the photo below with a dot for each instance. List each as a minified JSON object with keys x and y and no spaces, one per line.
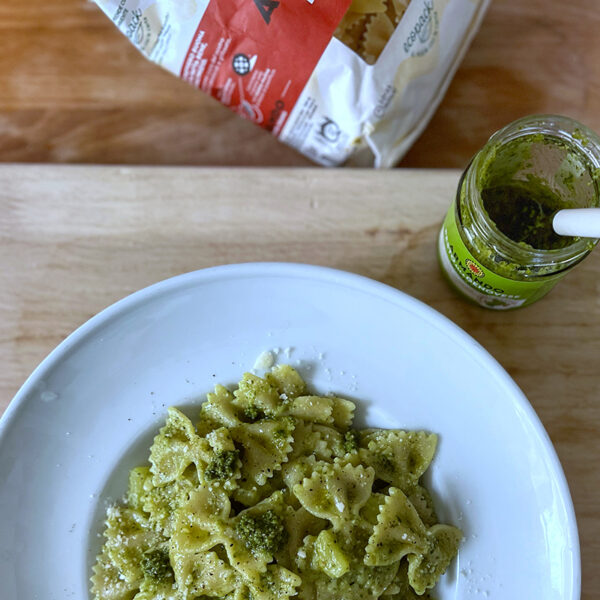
{"x":497,"y":246}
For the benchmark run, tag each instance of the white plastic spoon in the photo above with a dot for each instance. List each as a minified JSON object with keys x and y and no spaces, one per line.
{"x":578,"y":222}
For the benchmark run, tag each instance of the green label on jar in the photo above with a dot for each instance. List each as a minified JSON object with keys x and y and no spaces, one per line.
{"x":479,"y":283}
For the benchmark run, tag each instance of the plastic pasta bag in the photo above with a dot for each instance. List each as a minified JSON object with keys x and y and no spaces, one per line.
{"x":342,"y":81}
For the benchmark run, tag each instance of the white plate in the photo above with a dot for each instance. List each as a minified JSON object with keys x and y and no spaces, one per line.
{"x":89,"y":411}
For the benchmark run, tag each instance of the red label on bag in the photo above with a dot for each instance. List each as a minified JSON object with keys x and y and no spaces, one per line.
{"x":256,"y":56}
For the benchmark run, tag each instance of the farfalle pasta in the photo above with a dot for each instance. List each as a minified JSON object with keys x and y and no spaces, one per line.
{"x":369,"y":24}
{"x":274,"y":495}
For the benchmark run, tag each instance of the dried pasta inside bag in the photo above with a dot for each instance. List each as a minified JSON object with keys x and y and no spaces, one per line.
{"x":369,"y":24}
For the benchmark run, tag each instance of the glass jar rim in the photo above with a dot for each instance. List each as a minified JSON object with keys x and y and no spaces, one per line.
{"x":581,"y":140}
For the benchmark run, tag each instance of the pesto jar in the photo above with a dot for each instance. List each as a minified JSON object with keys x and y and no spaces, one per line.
{"x":497,"y":246}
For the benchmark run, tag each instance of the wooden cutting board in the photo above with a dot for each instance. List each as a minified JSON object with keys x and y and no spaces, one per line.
{"x":75,"y":239}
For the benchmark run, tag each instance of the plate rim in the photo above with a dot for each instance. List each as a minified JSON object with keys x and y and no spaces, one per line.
{"x":328,"y":275}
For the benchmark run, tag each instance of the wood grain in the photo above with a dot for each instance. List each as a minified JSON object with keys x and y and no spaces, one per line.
{"x":72,"y":89}
{"x":75,"y":239}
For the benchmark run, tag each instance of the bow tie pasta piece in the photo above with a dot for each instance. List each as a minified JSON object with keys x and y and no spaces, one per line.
{"x":107,"y":582}
{"x":140,"y":480}
{"x":200,"y":529}
{"x":336,"y":492}
{"x":399,"y":531}
{"x":325,"y":554}
{"x":287,"y":381}
{"x":378,"y":31}
{"x":209,"y":504}
{"x":342,"y":412}
{"x":203,"y":574}
{"x":315,"y":409}
{"x":300,"y":468}
{"x":265,"y":445}
{"x":249,"y":493}
{"x":299,"y":524}
{"x":320,"y":441}
{"x":162,"y":502}
{"x":369,"y":24}
{"x":128,"y":537}
{"x":400,"y":588}
{"x":324,"y":410}
{"x":396,"y":9}
{"x":217,"y":411}
{"x":370,"y":511}
{"x":335,"y":444}
{"x":360,"y":582}
{"x":307,"y":441}
{"x":276,"y":583}
{"x":424,"y":569}
{"x":420,"y":498}
{"x":200,"y":523}
{"x":261,"y":528}
{"x":175,"y":448}
{"x":398,"y":457}
{"x":152,"y":589}
{"x":257,"y":398}
{"x":351,"y":29}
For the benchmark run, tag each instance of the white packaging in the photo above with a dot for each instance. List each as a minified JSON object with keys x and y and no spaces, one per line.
{"x":276,"y":63}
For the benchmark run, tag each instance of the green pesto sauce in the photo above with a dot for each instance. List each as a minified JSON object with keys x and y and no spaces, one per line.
{"x":280,"y":434}
{"x":252,"y":413}
{"x":156,"y":565}
{"x":222,"y":465}
{"x":264,"y":532}
{"x":523,"y":211}
{"x":350,"y":441}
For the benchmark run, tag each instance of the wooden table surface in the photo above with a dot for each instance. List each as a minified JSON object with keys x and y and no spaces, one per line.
{"x":75,"y":239}
{"x":73,"y":89}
